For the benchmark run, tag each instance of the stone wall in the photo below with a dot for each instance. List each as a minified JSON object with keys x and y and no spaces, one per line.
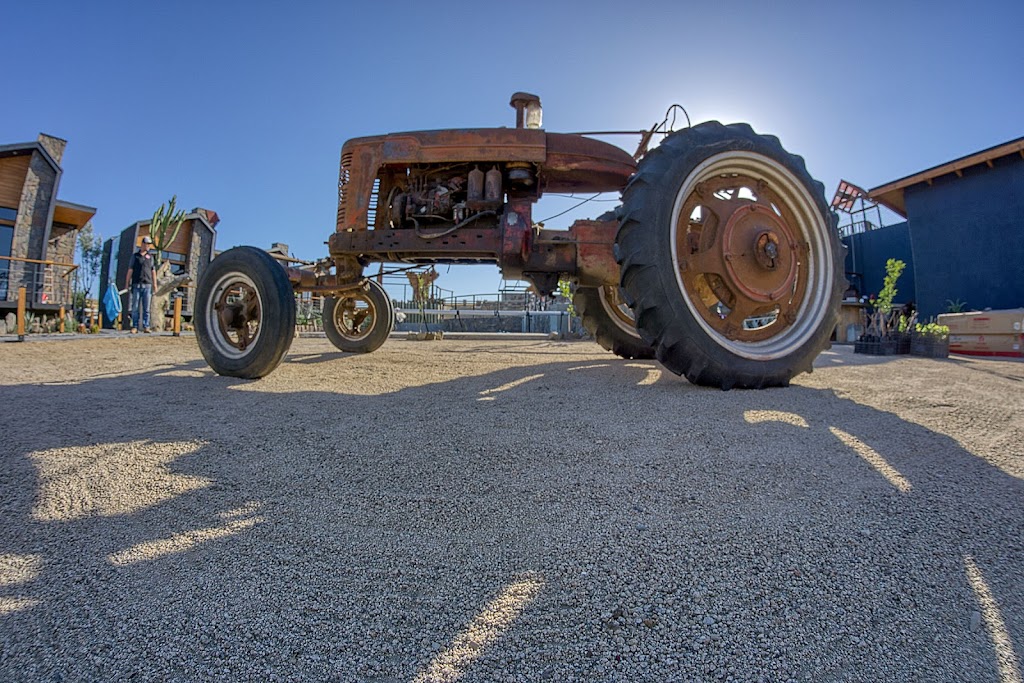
{"x":199,"y":256}
{"x":194,"y":256}
{"x":54,"y":146}
{"x":37,"y":195}
{"x":62,"y":246}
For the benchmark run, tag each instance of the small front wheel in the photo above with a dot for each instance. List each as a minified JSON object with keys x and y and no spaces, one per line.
{"x":359,"y":320}
{"x":245,"y":313}
{"x":606,"y":316}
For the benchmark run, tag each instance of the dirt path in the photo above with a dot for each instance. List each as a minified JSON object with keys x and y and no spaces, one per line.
{"x":489,"y":511}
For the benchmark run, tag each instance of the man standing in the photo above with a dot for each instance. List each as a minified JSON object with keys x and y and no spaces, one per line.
{"x":141,"y":278}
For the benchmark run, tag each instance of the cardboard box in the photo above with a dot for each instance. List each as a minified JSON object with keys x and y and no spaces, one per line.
{"x":1009,"y":321}
{"x":1005,"y":345}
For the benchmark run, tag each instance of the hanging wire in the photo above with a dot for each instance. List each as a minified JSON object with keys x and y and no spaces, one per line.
{"x":435,"y":235}
{"x":574,"y":196}
{"x":671,"y":113}
{"x":576,"y":206}
{"x":666,"y":127}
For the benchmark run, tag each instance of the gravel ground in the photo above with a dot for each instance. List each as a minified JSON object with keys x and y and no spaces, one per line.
{"x":505,"y":511}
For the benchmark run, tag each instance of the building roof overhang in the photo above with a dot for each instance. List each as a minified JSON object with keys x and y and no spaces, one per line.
{"x":72,"y":214}
{"x":24,"y":148}
{"x":891,"y":196}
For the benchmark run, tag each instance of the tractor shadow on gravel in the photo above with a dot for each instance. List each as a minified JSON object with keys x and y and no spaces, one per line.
{"x":314,"y":358}
{"x":587,"y":520}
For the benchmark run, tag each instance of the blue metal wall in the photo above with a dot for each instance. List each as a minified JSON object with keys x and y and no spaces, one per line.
{"x":967,"y":236}
{"x":866,"y":254}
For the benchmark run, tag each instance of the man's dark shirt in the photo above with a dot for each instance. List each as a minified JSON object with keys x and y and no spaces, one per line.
{"x":142,"y":268}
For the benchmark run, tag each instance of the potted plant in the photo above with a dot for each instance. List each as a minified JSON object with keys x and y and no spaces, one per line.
{"x":885,"y":326}
{"x":930,"y":341}
{"x":905,"y":326}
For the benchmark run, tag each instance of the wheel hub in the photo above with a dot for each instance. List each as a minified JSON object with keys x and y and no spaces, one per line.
{"x":355,"y":314}
{"x":758,"y":263}
{"x":741,"y":258}
{"x":238,"y":314}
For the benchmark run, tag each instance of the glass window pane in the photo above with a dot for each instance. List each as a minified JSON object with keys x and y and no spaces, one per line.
{"x":6,"y":238}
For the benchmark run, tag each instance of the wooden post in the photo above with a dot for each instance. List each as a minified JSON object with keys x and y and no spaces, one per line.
{"x":21,"y":314}
{"x":60,"y":323}
{"x":100,"y":323}
{"x":177,"y":316}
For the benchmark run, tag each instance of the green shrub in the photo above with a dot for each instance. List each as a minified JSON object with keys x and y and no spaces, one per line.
{"x":932,"y":330}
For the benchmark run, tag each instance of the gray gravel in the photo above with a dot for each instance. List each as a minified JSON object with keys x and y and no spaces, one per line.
{"x":505,"y":511}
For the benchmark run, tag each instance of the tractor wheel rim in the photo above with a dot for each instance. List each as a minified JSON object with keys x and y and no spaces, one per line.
{"x":355,"y":316}
{"x":618,"y":311}
{"x":235,"y":315}
{"x":751,"y":255}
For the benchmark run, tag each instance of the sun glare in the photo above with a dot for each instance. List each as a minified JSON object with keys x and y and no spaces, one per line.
{"x":495,"y":618}
{"x":239,"y":520}
{"x":109,"y":479}
{"x":995,"y":626}
{"x":873,"y":458}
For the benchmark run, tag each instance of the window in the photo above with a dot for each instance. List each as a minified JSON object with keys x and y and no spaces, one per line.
{"x":179,"y":264}
{"x":115,"y":245}
{"x":6,"y":238}
{"x":8,"y":215}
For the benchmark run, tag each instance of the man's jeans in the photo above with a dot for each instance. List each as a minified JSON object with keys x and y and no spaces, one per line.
{"x":142,"y":296}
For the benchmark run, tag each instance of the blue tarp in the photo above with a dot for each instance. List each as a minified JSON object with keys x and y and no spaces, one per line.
{"x":112,"y":302}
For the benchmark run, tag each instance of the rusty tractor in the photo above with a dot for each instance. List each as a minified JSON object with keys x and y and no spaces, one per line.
{"x":722,"y":261}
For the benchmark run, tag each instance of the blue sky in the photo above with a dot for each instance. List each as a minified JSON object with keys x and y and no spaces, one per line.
{"x":242,"y":107}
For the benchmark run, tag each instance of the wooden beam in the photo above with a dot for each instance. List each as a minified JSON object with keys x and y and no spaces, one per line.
{"x":21,"y":314}
{"x":177,"y":316}
{"x":32,"y":260}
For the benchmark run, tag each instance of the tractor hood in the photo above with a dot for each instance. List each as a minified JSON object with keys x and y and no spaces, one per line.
{"x":565,"y":162}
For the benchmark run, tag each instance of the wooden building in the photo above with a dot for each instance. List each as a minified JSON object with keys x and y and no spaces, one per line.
{"x":189,"y":253}
{"x":38,"y":232}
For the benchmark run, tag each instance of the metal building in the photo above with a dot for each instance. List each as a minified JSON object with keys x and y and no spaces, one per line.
{"x":966,"y":226}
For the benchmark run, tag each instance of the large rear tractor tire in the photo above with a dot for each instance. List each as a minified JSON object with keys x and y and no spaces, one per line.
{"x":359,"y":320}
{"x":729,"y":258}
{"x":245,"y":313}
{"x":605,"y":315}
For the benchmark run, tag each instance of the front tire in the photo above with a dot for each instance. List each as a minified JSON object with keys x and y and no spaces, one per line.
{"x":729,"y":258}
{"x":609,"y":320}
{"x":245,"y":316}
{"x":359,"y":320}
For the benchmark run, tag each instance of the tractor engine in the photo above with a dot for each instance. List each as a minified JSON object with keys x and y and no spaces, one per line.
{"x":449,"y":196}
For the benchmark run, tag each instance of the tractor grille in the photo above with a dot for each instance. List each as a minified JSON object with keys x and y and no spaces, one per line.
{"x":344,"y":175}
{"x":371,"y":211}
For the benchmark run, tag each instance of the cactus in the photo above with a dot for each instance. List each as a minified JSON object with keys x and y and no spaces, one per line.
{"x":164,"y":226}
